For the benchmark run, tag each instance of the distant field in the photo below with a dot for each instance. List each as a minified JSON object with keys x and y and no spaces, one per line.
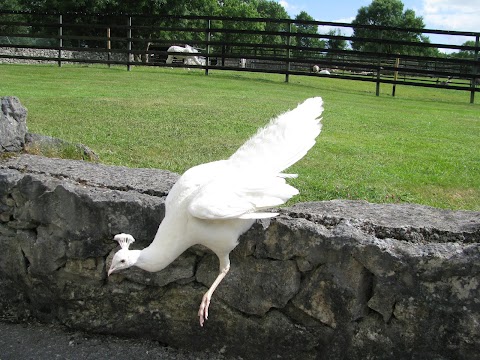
{"x":421,"y":146}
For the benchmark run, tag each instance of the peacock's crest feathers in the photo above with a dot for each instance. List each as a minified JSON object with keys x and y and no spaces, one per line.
{"x":125,"y":240}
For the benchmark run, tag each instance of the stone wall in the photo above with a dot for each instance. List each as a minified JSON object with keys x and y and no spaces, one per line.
{"x":325,"y":280}
{"x":53,"y":55}
{"x":120,"y":57}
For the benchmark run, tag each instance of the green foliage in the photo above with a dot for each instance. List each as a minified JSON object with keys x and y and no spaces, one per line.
{"x":244,"y":9}
{"x":13,"y":29}
{"x":465,"y":54}
{"x":304,"y":41}
{"x":60,"y":150}
{"x":85,"y":12}
{"x":147,"y":29}
{"x":421,"y":146}
{"x":388,"y":13}
{"x":10,"y":5}
{"x":334,"y":43}
{"x":273,"y":10}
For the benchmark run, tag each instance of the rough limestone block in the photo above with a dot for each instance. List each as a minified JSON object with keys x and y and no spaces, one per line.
{"x":13,"y":124}
{"x":324,"y":280}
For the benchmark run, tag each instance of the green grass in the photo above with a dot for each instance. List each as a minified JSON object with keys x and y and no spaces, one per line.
{"x":421,"y":146}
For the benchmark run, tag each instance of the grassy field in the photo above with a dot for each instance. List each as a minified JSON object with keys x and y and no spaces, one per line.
{"x":421,"y":146}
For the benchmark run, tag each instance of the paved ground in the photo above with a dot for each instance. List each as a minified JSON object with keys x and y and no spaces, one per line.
{"x":49,"y":342}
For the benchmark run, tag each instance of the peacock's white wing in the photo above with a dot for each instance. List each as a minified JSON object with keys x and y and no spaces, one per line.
{"x":284,"y":141}
{"x":241,"y":196}
{"x":251,"y":180}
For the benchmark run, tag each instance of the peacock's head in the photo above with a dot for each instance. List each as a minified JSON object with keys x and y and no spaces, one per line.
{"x":122,"y":259}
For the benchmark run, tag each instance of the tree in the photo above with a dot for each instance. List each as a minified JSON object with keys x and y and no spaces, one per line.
{"x":335,"y":43}
{"x":307,"y":41}
{"x":305,"y":28}
{"x":184,"y":8}
{"x":273,"y":10}
{"x":243,"y":9}
{"x":465,"y":54}
{"x":5,"y":30}
{"x":10,"y":5}
{"x":85,"y":11}
{"x":388,"y":13}
{"x":91,"y":12}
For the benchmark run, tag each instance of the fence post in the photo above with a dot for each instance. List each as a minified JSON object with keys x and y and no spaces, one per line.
{"x":287,"y":73}
{"x":129,"y":43}
{"x":395,"y":76}
{"x":109,"y":47}
{"x":207,"y":39}
{"x":223,"y":54}
{"x":475,"y":77}
{"x":379,"y":67}
{"x":60,"y":39}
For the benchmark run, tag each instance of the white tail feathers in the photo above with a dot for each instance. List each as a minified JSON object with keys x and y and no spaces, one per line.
{"x":284,"y":141}
{"x":258,"y":215}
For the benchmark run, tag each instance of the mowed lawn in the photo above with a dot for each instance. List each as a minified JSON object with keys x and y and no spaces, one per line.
{"x":421,"y":146}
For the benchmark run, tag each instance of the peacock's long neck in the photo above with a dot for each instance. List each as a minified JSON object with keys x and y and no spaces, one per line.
{"x":168,"y":244}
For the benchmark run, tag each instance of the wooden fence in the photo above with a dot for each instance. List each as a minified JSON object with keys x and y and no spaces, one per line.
{"x":240,"y":44}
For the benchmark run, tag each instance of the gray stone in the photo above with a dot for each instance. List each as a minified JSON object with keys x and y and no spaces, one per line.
{"x":324,"y":280}
{"x":53,"y":54}
{"x":53,"y":147}
{"x":407,"y":222}
{"x":181,"y":270}
{"x":15,"y":138}
{"x":253,"y":286}
{"x":13,"y":124}
{"x":87,"y":175}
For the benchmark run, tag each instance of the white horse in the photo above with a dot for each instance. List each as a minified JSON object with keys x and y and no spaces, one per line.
{"x":188,"y":58}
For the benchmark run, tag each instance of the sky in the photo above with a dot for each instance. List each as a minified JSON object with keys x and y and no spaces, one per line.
{"x":460,"y":15}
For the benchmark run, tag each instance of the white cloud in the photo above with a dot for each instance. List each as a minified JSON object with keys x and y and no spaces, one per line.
{"x":461,"y":15}
{"x":291,"y":9}
{"x":346,"y":31}
{"x":346,"y":20}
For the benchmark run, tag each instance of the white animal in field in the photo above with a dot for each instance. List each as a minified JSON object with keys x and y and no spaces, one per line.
{"x":187,"y":56}
{"x":316,"y":69}
{"x":214,"y":203}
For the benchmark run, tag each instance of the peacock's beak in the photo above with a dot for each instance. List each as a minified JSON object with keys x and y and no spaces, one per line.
{"x":110,"y":271}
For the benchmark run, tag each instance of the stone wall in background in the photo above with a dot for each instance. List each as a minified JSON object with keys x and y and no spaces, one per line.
{"x":53,"y":54}
{"x":325,"y":280}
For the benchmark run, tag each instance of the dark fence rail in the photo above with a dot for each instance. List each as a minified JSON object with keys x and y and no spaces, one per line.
{"x":240,"y":44}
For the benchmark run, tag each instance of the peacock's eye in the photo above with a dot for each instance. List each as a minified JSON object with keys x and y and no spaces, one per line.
{"x":122,"y":261}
